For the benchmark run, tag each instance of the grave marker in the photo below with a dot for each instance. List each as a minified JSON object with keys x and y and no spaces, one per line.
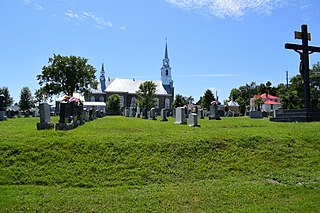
{"x":44,"y":110}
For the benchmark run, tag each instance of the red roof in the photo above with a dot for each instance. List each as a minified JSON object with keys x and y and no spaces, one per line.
{"x":266,"y":96}
{"x":271,"y":102}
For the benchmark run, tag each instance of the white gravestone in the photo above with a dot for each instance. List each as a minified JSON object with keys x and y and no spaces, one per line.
{"x":180,"y":115}
{"x":193,"y":120}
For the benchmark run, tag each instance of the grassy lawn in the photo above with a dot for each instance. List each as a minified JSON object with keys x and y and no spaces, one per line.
{"x":118,"y":164}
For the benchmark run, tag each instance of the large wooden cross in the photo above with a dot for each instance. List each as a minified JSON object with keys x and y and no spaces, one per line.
{"x":304,"y":50}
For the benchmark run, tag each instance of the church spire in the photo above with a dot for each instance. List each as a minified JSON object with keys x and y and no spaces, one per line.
{"x":166,"y":51}
{"x":102,"y":79}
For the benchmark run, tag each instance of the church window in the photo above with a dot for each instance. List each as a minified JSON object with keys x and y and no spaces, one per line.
{"x":167,"y":72}
{"x":93,"y":99}
{"x":133,"y":102}
{"x":157,"y":103}
{"x":101,"y":99}
{"x":167,"y":103}
{"x":121,"y":101}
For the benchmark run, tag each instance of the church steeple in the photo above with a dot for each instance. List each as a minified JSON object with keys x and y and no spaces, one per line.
{"x":166,"y":78}
{"x":102,"y":79}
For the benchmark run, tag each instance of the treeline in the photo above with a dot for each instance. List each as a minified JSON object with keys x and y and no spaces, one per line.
{"x":292,"y":94}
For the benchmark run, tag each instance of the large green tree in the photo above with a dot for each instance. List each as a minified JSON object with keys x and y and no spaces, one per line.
{"x":207,"y":98}
{"x":26,"y":99}
{"x":146,"y":95}
{"x":113,"y":104}
{"x":179,"y":101}
{"x":5,"y":91}
{"x":67,"y":74}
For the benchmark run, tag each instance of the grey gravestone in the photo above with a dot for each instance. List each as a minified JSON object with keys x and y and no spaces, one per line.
{"x":193,"y":120}
{"x":66,"y":116}
{"x":2,"y":107}
{"x":180,"y":115}
{"x":138,"y":113}
{"x":201,"y":113}
{"x":164,"y":115}
{"x":126,"y":113}
{"x":86,"y":115}
{"x":45,"y":123}
{"x":131,"y":112}
{"x":255,"y":114}
{"x":214,"y":113}
{"x":19,"y":114}
{"x":152,"y":115}
{"x":37,"y":111}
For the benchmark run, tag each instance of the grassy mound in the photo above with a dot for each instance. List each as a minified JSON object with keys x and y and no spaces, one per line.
{"x":117,"y":164}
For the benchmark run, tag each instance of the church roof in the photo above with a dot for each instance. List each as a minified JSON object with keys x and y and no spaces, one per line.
{"x":132,"y":86}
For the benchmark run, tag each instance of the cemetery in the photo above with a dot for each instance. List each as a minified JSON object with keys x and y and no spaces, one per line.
{"x":130,"y":144}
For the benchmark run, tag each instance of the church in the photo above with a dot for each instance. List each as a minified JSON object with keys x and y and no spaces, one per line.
{"x":127,"y":88}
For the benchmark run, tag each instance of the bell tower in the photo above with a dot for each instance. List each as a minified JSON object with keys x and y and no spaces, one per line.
{"x":166,"y":78}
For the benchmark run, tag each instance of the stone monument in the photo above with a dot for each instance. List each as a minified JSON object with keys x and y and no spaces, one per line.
{"x":193,"y":120}
{"x":44,"y":110}
{"x":180,"y":115}
{"x":2,"y":107}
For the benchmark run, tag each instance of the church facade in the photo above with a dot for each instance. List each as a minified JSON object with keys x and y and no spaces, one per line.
{"x":127,"y":88}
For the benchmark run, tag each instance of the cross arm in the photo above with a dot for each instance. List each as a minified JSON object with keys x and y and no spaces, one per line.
{"x":299,"y":47}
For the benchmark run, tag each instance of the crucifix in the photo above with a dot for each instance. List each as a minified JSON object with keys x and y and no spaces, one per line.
{"x":304,"y":50}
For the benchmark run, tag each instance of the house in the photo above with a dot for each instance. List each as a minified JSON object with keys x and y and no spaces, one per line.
{"x":270,"y":102}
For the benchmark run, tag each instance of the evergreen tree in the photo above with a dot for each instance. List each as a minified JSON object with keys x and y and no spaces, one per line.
{"x":146,"y":95}
{"x":26,"y":100}
{"x":179,"y":101}
{"x":208,"y":97}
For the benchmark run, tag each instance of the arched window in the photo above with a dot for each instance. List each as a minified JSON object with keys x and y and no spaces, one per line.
{"x":167,"y":72}
{"x":133,"y":102}
{"x":92,"y":99}
{"x":121,"y":101}
{"x":101,"y":99}
{"x":167,"y":103}
{"x":157,"y":103}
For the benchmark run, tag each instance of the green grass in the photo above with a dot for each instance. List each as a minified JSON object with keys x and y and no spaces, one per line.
{"x":117,"y":164}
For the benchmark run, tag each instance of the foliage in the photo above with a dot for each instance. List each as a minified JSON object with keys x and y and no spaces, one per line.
{"x":179,"y":101}
{"x":40,"y":95}
{"x":146,"y":166}
{"x":113,"y":104}
{"x":292,"y":96}
{"x":259,"y":103}
{"x":146,"y":95}
{"x":26,"y":99}
{"x":208,"y":97}
{"x":67,"y":74}
{"x":5,"y":91}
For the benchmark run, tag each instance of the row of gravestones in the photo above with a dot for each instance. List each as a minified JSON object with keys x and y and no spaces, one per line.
{"x":181,"y":114}
{"x":71,"y":116}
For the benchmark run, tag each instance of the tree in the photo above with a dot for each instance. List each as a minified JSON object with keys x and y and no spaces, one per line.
{"x":113,"y":104}
{"x":26,"y":100}
{"x":208,"y":97}
{"x":5,"y":91}
{"x":190,"y":100}
{"x":67,"y":74}
{"x":146,"y":95}
{"x":179,"y":101}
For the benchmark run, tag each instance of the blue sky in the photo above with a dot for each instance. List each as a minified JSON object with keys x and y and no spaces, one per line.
{"x":212,"y":44}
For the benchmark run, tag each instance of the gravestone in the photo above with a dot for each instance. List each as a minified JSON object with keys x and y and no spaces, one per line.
{"x":44,"y":111}
{"x":131,"y":112}
{"x":19,"y":114}
{"x":66,"y":117}
{"x":86,"y":115}
{"x":138,"y":113}
{"x":37,"y":112}
{"x":214,"y":113}
{"x":193,"y":120}
{"x":152,"y":115}
{"x":180,"y":115}
{"x":163,"y":115}
{"x":2,"y":108}
{"x":126,"y":113}
{"x":201,"y":113}
{"x":255,"y":114}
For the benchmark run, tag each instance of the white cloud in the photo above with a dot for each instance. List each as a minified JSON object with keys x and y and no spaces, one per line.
{"x":88,"y":17}
{"x":228,"y":8}
{"x":208,"y":75}
{"x":27,"y":1}
{"x":38,"y":7}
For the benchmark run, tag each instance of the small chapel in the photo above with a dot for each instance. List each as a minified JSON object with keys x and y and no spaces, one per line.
{"x":127,"y":88}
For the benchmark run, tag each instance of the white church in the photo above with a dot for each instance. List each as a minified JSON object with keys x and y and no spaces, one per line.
{"x":127,"y":88}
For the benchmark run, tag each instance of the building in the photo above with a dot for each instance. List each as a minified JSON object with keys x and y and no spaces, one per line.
{"x":127,"y":88}
{"x":270,"y":102}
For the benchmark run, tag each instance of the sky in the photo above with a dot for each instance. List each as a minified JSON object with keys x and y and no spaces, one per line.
{"x":212,"y":44}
